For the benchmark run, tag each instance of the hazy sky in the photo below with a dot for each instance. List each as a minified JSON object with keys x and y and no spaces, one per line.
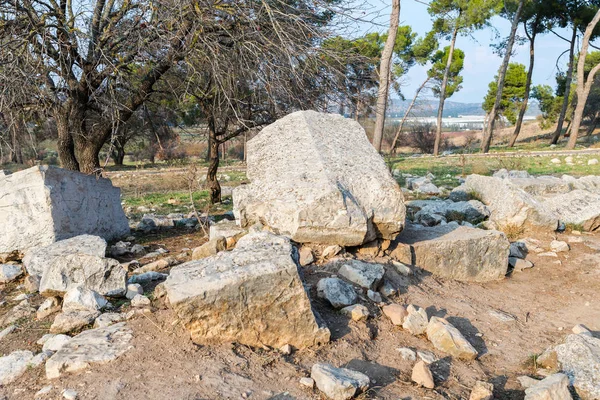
{"x":481,"y":64}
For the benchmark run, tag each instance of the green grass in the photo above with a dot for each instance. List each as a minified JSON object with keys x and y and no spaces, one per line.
{"x":160,"y":203}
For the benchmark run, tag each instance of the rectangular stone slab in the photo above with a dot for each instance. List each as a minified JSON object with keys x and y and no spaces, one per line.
{"x":251,"y":295}
{"x":44,"y":204}
{"x":457,"y":252}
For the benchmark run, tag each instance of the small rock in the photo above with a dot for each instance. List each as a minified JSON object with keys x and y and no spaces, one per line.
{"x":147,"y":277}
{"x":427,"y":356}
{"x":421,"y":375}
{"x":592,"y":161}
{"x":554,"y":387}
{"x":577,"y":329}
{"x":331,"y":251}
{"x":156,"y":265}
{"x":140,"y":301}
{"x":559,"y":246}
{"x":416,"y":320}
{"x":32,"y":283}
{"x":526,"y":381}
{"x":374,"y":296}
{"x":555,"y":161}
{"x":138,"y":250}
{"x":337,"y":292}
{"x":7,"y":331}
{"x":83,"y":299}
{"x":445,"y":337}
{"x":357,"y":312}
{"x":108,"y":319}
{"x":134,"y":289}
{"x":519,"y":264}
{"x":56,"y":342}
{"x":210,"y":248}
{"x":396,"y":313}
{"x":518,"y":250}
{"x":339,"y":383}
{"x":548,"y":254}
{"x":502,"y":316}
{"x":482,"y":391}
{"x":50,"y":306}
{"x":69,"y":394}
{"x":286,"y":349}
{"x":407,"y":354}
{"x":21,"y":297}
{"x":43,"y":391}
{"x":387,"y":289}
{"x":10,"y":272}
{"x":363,"y":274}
{"x":402,"y":269}
{"x":306,"y":257}
{"x":66,"y":322}
{"x":308,"y":382}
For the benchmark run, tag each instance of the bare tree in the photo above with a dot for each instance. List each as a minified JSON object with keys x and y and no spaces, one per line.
{"x":384,"y":75}
{"x":583,"y":85}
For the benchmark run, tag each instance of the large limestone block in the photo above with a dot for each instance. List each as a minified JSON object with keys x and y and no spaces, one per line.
{"x":94,"y":346}
{"x":542,"y":185}
{"x":554,"y":387}
{"x":37,"y":259}
{"x":579,"y":358}
{"x":458,"y":252}
{"x":251,"y":295}
{"x":44,"y":204}
{"x":103,"y":275}
{"x":316,"y":178}
{"x":578,"y":207}
{"x":509,"y":204}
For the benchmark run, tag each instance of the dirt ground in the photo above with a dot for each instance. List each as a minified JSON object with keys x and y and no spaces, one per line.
{"x":547,"y":301}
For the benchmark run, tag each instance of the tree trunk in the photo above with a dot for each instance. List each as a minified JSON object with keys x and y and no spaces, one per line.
{"x":118,"y":154}
{"x":66,"y":145}
{"x":523,"y":110}
{"x":593,"y":124}
{"x":583,"y":86}
{"x":438,"y":132}
{"x":406,"y":114}
{"x":488,"y":133}
{"x":565,"y":105}
{"x":87,"y":154}
{"x":213,"y":167}
{"x":384,"y":75}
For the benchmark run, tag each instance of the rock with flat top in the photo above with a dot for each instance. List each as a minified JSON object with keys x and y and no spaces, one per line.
{"x":10,"y":272}
{"x":363,"y":274}
{"x":251,"y":295}
{"x":108,"y":319}
{"x":445,"y":337}
{"x":316,"y":179}
{"x":396,"y":313}
{"x":339,"y":383}
{"x":45,"y":204}
{"x":37,"y":259}
{"x":70,"y":321}
{"x":80,"y":298}
{"x":357,"y":312}
{"x":13,"y":365}
{"x":457,"y":252}
{"x":102,"y":275}
{"x":55,"y":342}
{"x":337,"y":292}
{"x":227,"y":229}
{"x":95,"y":346}
{"x":210,"y":248}
{"x":554,"y":387}
{"x":578,"y":207}
{"x":559,"y":246}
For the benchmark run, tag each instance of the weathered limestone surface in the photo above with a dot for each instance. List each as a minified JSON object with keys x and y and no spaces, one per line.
{"x":509,"y":204}
{"x":578,"y":207}
{"x":44,"y":204}
{"x":94,"y":346}
{"x":37,"y":259}
{"x":251,"y":295}
{"x":316,"y":178}
{"x":579,"y":358}
{"x":457,"y":252}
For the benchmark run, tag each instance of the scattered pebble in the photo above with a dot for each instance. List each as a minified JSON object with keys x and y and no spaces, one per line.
{"x":308,"y":382}
{"x":407,"y":354}
{"x":69,"y":394}
{"x":421,"y":375}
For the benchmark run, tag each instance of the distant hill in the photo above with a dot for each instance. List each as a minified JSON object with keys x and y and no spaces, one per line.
{"x":428,"y":108}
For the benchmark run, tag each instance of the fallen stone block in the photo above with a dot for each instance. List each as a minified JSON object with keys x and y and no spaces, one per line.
{"x":456,"y":252}
{"x":445,"y":337}
{"x":227,"y":229}
{"x":95,"y":346}
{"x":45,"y":204}
{"x":579,"y":358}
{"x":317,"y":179}
{"x":69,"y":321}
{"x":554,"y":387}
{"x":337,"y":292}
{"x":251,"y":295}
{"x":363,"y":274}
{"x":578,"y":207}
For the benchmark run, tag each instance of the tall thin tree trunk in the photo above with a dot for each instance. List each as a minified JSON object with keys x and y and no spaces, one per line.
{"x":488,"y":133}
{"x":406,"y":114}
{"x":565,"y":105}
{"x":213,"y":166}
{"x":66,"y":145}
{"x":523,"y":110}
{"x":384,"y":75}
{"x":583,"y":85}
{"x":438,"y":132}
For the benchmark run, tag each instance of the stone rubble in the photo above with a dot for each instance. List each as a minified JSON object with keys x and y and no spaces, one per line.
{"x":337,"y":292}
{"x":339,"y":383}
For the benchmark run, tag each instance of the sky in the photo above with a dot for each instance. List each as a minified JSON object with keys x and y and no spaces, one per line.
{"x":481,"y":64}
